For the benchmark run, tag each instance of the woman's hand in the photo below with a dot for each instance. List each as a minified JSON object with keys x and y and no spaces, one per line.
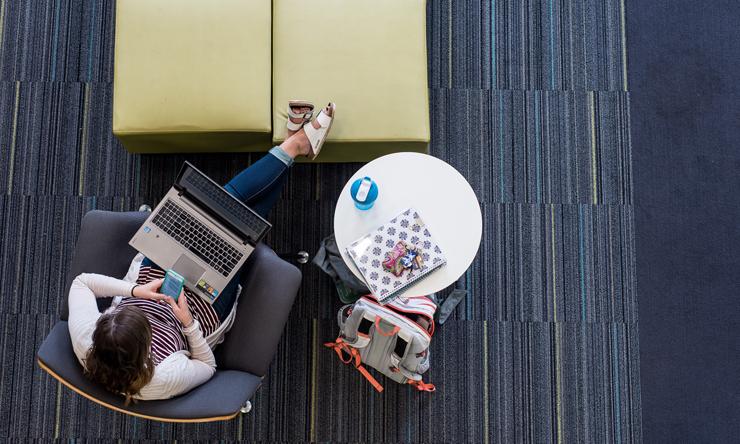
{"x":181,"y":310}
{"x":150,"y":291}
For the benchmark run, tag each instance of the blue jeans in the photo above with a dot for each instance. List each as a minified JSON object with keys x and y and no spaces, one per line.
{"x":259,"y":187}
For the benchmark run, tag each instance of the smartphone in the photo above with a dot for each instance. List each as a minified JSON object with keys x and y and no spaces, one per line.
{"x":172,"y":285}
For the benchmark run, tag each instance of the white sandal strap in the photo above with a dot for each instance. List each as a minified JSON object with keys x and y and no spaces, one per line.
{"x":314,"y":135}
{"x":292,"y":126}
{"x":317,"y":136}
{"x":323,"y":119}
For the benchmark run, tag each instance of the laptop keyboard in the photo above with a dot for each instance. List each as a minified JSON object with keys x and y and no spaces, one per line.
{"x":216,"y":194}
{"x":197,"y":238}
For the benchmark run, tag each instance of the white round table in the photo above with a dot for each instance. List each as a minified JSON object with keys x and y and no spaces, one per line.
{"x":441,"y":195}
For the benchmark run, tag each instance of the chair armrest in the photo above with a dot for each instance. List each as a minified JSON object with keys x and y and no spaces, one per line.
{"x":102,"y":246}
{"x":218,"y":399}
{"x":269,"y":287}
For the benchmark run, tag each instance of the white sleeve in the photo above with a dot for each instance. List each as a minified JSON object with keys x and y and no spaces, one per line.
{"x":83,"y":310}
{"x":199,"y":348}
{"x":100,"y":286}
{"x":175,"y":375}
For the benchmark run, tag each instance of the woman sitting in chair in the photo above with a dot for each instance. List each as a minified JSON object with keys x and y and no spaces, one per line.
{"x":147,"y":346}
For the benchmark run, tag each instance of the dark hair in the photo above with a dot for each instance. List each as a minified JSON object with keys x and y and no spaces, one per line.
{"x":119,"y":358}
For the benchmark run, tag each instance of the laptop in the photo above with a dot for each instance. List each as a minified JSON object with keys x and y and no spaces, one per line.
{"x":200,"y":231}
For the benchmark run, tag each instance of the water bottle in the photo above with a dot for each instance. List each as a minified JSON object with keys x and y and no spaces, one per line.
{"x":364,"y":191}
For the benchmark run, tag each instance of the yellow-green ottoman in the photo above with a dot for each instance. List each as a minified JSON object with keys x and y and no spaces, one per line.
{"x":192,"y":75}
{"x":368,"y":56}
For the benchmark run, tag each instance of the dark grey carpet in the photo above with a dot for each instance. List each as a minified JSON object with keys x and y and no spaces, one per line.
{"x":685,"y":64}
{"x":528,"y":100}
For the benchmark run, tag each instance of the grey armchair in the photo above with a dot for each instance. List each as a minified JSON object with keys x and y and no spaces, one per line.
{"x":269,"y":288}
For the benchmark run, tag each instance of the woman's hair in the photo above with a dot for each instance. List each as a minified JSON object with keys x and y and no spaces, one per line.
{"x":119,"y":358}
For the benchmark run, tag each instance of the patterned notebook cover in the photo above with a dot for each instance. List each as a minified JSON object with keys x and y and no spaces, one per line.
{"x":396,"y":255}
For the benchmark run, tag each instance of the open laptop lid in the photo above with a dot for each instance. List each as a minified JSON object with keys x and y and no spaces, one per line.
{"x":221,"y":205}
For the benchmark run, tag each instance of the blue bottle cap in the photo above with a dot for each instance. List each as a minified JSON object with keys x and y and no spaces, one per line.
{"x":364,"y":191}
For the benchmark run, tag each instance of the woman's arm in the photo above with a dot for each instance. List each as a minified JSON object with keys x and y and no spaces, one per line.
{"x":199,"y":348}
{"x":100,"y":286}
{"x":83,"y":310}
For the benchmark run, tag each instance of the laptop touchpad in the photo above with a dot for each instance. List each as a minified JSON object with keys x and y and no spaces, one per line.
{"x":188,"y":269}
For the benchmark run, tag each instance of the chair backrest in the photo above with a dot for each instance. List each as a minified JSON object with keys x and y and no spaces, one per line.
{"x":269,"y":287}
{"x":102,"y":246}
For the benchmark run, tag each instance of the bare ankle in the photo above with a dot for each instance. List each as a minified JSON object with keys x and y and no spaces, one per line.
{"x":296,"y":145}
{"x":290,"y":147}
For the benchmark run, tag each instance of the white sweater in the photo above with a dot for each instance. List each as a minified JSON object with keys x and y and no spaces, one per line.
{"x":176,"y":374}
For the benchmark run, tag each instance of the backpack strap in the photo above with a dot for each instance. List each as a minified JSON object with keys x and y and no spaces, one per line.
{"x":421,"y":385}
{"x":374,"y":382}
{"x":340,"y":346}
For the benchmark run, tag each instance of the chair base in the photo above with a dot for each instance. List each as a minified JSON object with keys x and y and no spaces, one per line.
{"x":246,"y":408}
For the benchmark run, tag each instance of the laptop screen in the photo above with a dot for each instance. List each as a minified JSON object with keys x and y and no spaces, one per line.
{"x":221,"y":204}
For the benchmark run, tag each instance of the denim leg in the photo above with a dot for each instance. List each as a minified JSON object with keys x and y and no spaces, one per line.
{"x":259,"y":185}
{"x":148,"y":263}
{"x":222,"y":305}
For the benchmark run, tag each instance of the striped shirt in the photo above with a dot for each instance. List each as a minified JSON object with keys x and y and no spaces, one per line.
{"x":167,"y":333}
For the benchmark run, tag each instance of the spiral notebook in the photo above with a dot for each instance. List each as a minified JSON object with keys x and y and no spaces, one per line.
{"x":396,"y":255}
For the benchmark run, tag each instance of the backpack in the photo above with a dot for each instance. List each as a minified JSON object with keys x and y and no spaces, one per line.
{"x":387,"y":338}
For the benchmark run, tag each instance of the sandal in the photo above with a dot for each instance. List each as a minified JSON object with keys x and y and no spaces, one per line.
{"x":292,"y":126}
{"x":317,"y":136}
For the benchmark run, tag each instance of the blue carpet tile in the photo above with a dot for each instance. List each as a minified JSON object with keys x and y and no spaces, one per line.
{"x":528,"y":100}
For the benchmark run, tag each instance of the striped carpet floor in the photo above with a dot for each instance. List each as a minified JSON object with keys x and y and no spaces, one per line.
{"x":529,"y":101}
